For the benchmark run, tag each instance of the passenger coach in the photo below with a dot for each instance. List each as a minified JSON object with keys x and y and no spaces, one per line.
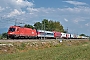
{"x":46,"y":34}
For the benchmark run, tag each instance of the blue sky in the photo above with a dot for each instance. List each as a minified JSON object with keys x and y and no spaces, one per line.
{"x":74,"y":14}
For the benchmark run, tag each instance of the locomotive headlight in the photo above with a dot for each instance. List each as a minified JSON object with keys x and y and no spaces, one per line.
{"x":10,"y":33}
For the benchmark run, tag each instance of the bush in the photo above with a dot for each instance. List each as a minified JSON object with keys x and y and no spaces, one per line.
{"x":3,"y":35}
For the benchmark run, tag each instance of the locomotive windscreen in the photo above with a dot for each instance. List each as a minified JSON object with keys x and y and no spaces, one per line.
{"x":12,"y":29}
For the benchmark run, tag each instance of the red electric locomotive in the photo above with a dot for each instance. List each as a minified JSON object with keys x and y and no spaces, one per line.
{"x":21,"y":32}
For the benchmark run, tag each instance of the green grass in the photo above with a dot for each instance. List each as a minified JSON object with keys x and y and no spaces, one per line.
{"x":60,"y":52}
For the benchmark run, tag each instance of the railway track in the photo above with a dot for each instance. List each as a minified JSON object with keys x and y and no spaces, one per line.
{"x":28,"y":40}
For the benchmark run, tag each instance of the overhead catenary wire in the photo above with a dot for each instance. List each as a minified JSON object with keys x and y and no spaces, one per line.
{"x":13,"y":21}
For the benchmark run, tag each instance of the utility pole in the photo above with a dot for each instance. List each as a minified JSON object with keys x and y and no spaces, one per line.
{"x":41,"y":31}
{"x":44,"y":30}
{"x":15,"y":22}
{"x":67,"y":33}
{"x":67,"y":29}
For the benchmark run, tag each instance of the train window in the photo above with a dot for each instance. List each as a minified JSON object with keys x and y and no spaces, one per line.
{"x":18,"y":29}
{"x":49,"y":33}
{"x":12,"y":29}
{"x":41,"y":33}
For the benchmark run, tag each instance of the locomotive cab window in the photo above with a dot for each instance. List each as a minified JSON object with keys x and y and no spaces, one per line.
{"x":12,"y":29}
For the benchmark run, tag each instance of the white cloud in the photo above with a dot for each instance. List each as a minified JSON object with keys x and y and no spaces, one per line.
{"x":32,"y":10}
{"x":14,"y":7}
{"x":15,"y":13}
{"x":1,"y":9}
{"x":87,"y":24}
{"x":78,"y":19}
{"x":75,"y":2}
{"x":16,"y":4}
{"x":23,"y":3}
{"x":65,"y":19}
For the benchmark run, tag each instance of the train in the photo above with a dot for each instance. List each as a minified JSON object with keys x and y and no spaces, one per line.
{"x":23,"y":32}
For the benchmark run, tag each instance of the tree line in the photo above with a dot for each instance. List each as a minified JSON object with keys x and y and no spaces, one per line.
{"x":47,"y":25}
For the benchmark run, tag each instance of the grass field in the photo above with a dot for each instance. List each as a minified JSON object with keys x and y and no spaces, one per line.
{"x":67,"y":50}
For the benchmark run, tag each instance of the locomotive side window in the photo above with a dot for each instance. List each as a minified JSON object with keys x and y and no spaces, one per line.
{"x":12,"y":29}
{"x":18,"y":29}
